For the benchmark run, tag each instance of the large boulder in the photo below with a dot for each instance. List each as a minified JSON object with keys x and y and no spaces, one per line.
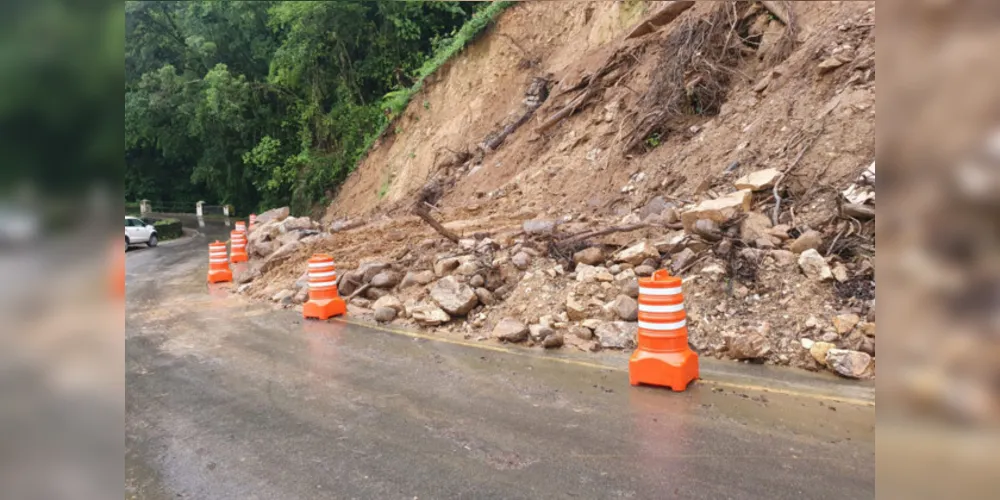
{"x":428,"y":315}
{"x":510,"y":330}
{"x":388,"y":301}
{"x":385,"y":279}
{"x":414,"y":278}
{"x":295,"y":224}
{"x":280,"y":255}
{"x":617,"y":334}
{"x":637,"y":253}
{"x":455,"y":298}
{"x":718,"y":210}
{"x":368,"y":270}
{"x":275,"y":214}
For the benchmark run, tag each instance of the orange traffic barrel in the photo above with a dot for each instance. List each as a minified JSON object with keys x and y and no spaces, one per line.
{"x":218,"y":264}
{"x":118,"y":271}
{"x":663,"y":357}
{"x":241,"y":226}
{"x":253,"y":221}
{"x":237,"y":247}
{"x":324,"y":300}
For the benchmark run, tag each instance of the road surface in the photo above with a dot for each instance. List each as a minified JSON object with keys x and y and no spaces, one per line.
{"x":228,"y":399}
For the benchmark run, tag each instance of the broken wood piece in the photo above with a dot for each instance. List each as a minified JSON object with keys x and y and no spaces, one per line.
{"x":858,"y":211}
{"x":421,"y":212}
{"x":566,"y":111}
{"x":660,"y":18}
{"x":359,"y":291}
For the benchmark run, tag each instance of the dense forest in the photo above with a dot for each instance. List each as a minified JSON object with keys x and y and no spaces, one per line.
{"x":259,"y":104}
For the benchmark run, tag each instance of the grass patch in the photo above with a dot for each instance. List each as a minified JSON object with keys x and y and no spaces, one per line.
{"x":395,"y":102}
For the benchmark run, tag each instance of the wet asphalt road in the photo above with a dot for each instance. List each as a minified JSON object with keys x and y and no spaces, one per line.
{"x":228,"y":399}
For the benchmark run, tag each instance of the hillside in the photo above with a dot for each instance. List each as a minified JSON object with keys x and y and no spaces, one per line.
{"x":605,"y":127}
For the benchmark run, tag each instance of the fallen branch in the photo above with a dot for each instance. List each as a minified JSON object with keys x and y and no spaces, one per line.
{"x":421,"y":212}
{"x":858,"y":211}
{"x":660,"y":19}
{"x":359,"y":291}
{"x":567,"y":110}
{"x":574,"y":238}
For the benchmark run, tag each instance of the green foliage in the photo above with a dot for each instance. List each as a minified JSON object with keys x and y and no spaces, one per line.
{"x":168,"y":229}
{"x":261,"y":104}
{"x":654,"y":140}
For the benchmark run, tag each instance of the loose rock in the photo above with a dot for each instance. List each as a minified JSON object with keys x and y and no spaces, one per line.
{"x":754,"y":227}
{"x":429,"y":315}
{"x":844,"y":323}
{"x":590,"y":256}
{"x":388,"y":301}
{"x":417,"y":278}
{"x":625,"y":307}
{"x":454,"y":298}
{"x":581,"y":332}
{"x":539,"y":226}
{"x":521,"y":260}
{"x":718,"y":210}
{"x":637,"y":253}
{"x":385,"y":279}
{"x":759,"y":180}
{"x":575,"y":309}
{"x":655,"y":206}
{"x":446,"y":266}
{"x":750,"y":345}
{"x":485,"y":296}
{"x":840,"y":272}
{"x":680,"y":260}
{"x":553,"y":341}
{"x":537,"y":333}
{"x":510,"y":330}
{"x":385,"y":314}
{"x":631,"y":288}
{"x":591,"y":274}
{"x":814,"y":266}
{"x":477,"y":281}
{"x":617,"y":334}
{"x":277,"y":214}
{"x":805,"y":241}
{"x":819,"y":350}
{"x":645,"y":271}
{"x":851,"y":364}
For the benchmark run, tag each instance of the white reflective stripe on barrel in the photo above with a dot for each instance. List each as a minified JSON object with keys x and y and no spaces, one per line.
{"x":662,"y":326}
{"x":323,"y":284}
{"x":217,"y":254}
{"x":661,"y":309}
{"x":316,"y":265}
{"x":216,"y":260}
{"x":322,"y":275}
{"x":659,"y":291}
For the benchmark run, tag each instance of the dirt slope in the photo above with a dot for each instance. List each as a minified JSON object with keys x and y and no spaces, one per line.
{"x":653,"y":125}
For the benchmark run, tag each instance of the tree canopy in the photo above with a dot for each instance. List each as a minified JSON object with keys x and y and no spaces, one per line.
{"x":260,"y":104}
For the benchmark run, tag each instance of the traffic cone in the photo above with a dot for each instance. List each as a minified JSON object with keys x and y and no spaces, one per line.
{"x":218,"y":264}
{"x":241,"y":226}
{"x":324,"y":301}
{"x":663,"y":357}
{"x":237,"y":247}
{"x":253,"y":221}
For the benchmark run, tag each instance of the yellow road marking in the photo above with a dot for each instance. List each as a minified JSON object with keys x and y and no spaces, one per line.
{"x":518,"y":352}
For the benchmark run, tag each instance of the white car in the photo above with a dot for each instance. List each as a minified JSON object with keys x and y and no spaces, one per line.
{"x":137,"y":231}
